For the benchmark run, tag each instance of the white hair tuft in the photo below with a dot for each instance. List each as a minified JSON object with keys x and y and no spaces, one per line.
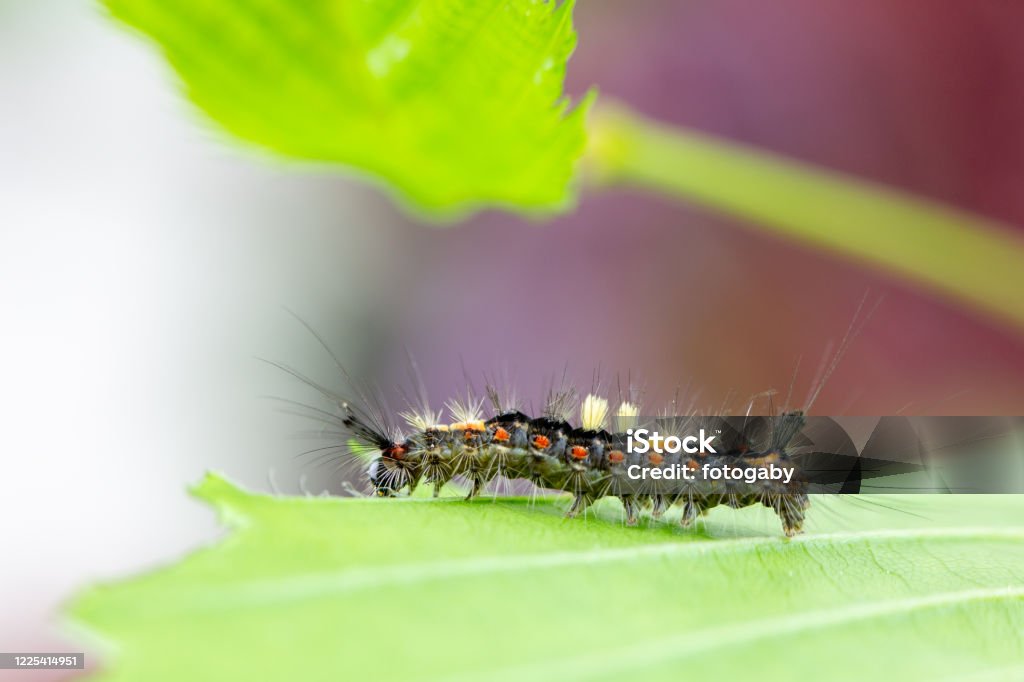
{"x":593,"y":412}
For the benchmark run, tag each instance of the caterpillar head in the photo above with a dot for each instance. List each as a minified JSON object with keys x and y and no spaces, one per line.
{"x":388,"y":473}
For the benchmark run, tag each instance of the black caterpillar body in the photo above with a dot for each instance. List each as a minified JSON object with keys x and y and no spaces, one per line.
{"x":588,"y":460}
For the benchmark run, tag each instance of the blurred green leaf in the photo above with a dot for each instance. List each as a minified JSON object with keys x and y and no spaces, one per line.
{"x":330,"y":589}
{"x":454,"y":102}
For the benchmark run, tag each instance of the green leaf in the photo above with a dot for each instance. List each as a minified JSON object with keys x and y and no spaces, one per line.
{"x":454,"y":102}
{"x":913,"y":587}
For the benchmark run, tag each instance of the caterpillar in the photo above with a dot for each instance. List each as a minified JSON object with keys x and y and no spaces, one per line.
{"x":589,"y":459}
{"x":589,"y":456}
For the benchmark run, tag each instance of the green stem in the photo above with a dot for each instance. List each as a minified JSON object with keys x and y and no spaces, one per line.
{"x":951,"y":252}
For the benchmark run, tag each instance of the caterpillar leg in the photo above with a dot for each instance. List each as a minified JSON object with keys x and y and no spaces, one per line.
{"x":631,"y":511}
{"x":478,"y":485}
{"x":660,"y":505}
{"x":790,"y":509}
{"x":690,"y":513}
{"x":579,"y":503}
{"x":697,"y":506}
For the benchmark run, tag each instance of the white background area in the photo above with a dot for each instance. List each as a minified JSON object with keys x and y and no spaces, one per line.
{"x":144,"y":265}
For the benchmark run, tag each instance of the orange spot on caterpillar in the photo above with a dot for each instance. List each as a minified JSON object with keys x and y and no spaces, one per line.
{"x":578,"y":452}
{"x":501,"y":435}
{"x":616,"y":457}
{"x":692,"y":465}
{"x":541,"y":442}
{"x":655,"y":459}
{"x":395,"y":452}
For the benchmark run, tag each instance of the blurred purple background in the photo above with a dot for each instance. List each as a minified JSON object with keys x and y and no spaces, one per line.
{"x":144,"y":261}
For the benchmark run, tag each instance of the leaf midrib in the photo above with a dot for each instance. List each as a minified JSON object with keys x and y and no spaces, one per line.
{"x":293,"y":588}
